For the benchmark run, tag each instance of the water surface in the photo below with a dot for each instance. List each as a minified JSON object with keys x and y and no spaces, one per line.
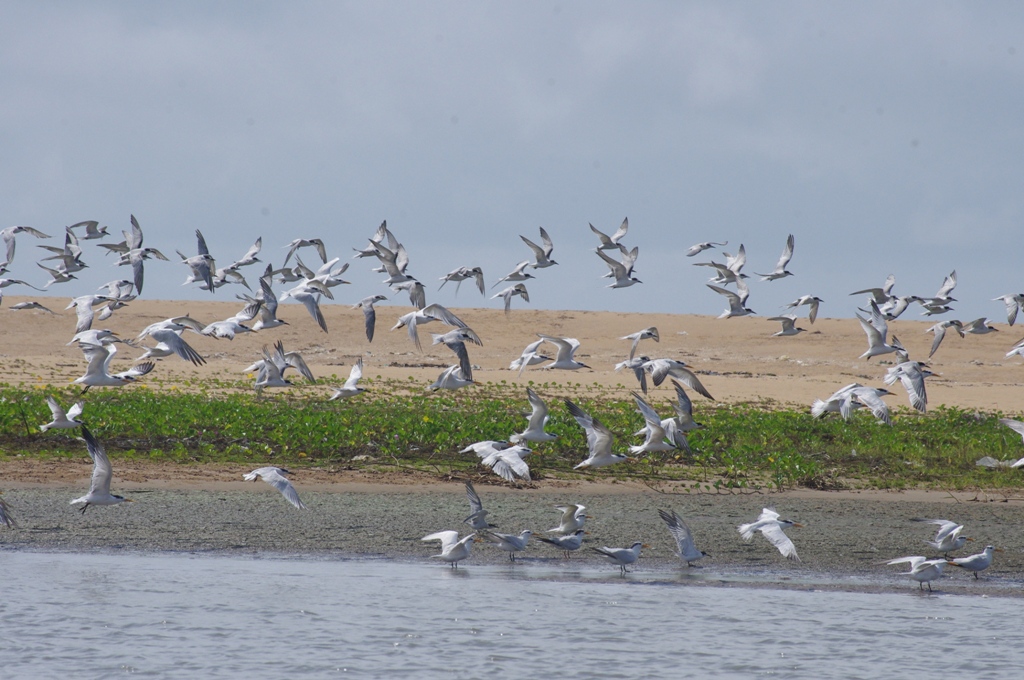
{"x":189,"y":616}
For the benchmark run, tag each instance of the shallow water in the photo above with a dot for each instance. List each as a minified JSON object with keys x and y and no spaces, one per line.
{"x":187,"y":616}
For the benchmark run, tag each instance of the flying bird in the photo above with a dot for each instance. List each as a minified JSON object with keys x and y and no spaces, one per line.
{"x":685,"y":547}
{"x":62,"y":420}
{"x":611,"y":242}
{"x":651,"y":332}
{"x":541,"y":254}
{"x":275,"y":477}
{"x":599,"y":440}
{"x":737,"y":301}
{"x":534,"y":432}
{"x":789,"y":326}
{"x":99,"y":489}
{"x":622,"y":270}
{"x":772,"y":528}
{"x":477,"y":514}
{"x":351,"y":387}
{"x":780,"y":270}
{"x":507,"y":294}
{"x":573,"y":518}
{"x":698,"y":248}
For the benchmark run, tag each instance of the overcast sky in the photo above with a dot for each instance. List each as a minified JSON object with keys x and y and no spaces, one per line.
{"x":888,"y":137}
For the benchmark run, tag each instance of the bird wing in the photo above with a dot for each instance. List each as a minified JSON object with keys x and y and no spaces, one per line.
{"x":620,"y":233}
{"x":680,"y":532}
{"x":787,"y":255}
{"x":55,"y":409}
{"x":76,"y":410}
{"x":1015,"y":425}
{"x":448,"y":539}
{"x":355,"y":374}
{"x":295,"y":360}
{"x":683,"y":407}
{"x":539,"y":415}
{"x":313,"y":307}
{"x":948,"y":284}
{"x":475,"y":505}
{"x":101,"y":470}
{"x":618,"y":269}
{"x":777,"y":537}
{"x":599,"y":437}
{"x":274,"y":478}
{"x":538,"y":252}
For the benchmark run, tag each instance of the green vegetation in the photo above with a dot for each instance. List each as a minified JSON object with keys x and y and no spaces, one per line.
{"x":396,"y":424}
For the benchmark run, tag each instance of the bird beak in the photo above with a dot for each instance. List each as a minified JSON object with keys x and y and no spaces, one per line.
{"x":969,"y":539}
{"x":998,"y":549}
{"x":644,"y":545}
{"x":129,"y":500}
{"x":797,"y":524}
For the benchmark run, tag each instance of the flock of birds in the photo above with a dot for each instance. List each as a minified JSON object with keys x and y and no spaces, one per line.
{"x":507,"y":458}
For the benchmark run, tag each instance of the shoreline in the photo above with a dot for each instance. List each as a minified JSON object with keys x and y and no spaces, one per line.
{"x":846,"y":538}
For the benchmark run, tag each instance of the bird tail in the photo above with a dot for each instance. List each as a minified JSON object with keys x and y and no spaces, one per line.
{"x":747,"y":531}
{"x":818,"y":408}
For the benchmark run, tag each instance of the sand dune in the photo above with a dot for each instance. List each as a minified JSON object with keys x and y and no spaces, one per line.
{"x":738,"y":359}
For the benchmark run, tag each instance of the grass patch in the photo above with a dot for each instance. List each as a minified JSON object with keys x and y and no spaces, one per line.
{"x":745,"y":446}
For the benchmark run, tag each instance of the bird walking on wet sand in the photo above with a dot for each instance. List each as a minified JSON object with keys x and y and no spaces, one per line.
{"x":102,"y":472}
{"x":922,"y":569}
{"x":622,"y":556}
{"x":566,"y":544}
{"x":510,"y":543}
{"x":275,"y":477}
{"x":453,"y":549}
{"x":685,"y":547}
{"x":772,"y":528}
{"x":975,"y":563}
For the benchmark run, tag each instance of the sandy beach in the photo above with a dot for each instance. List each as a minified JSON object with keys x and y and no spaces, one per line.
{"x":208,"y":507}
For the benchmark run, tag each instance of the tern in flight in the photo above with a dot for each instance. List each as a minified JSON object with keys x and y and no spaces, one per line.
{"x":275,"y":477}
{"x":685,"y":547}
{"x":771,"y":527}
{"x":99,"y":489}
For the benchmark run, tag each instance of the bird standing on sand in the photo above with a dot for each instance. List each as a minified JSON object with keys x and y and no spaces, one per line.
{"x":453,"y":550}
{"x":622,"y":556}
{"x":976,"y":563}
{"x":922,"y":569}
